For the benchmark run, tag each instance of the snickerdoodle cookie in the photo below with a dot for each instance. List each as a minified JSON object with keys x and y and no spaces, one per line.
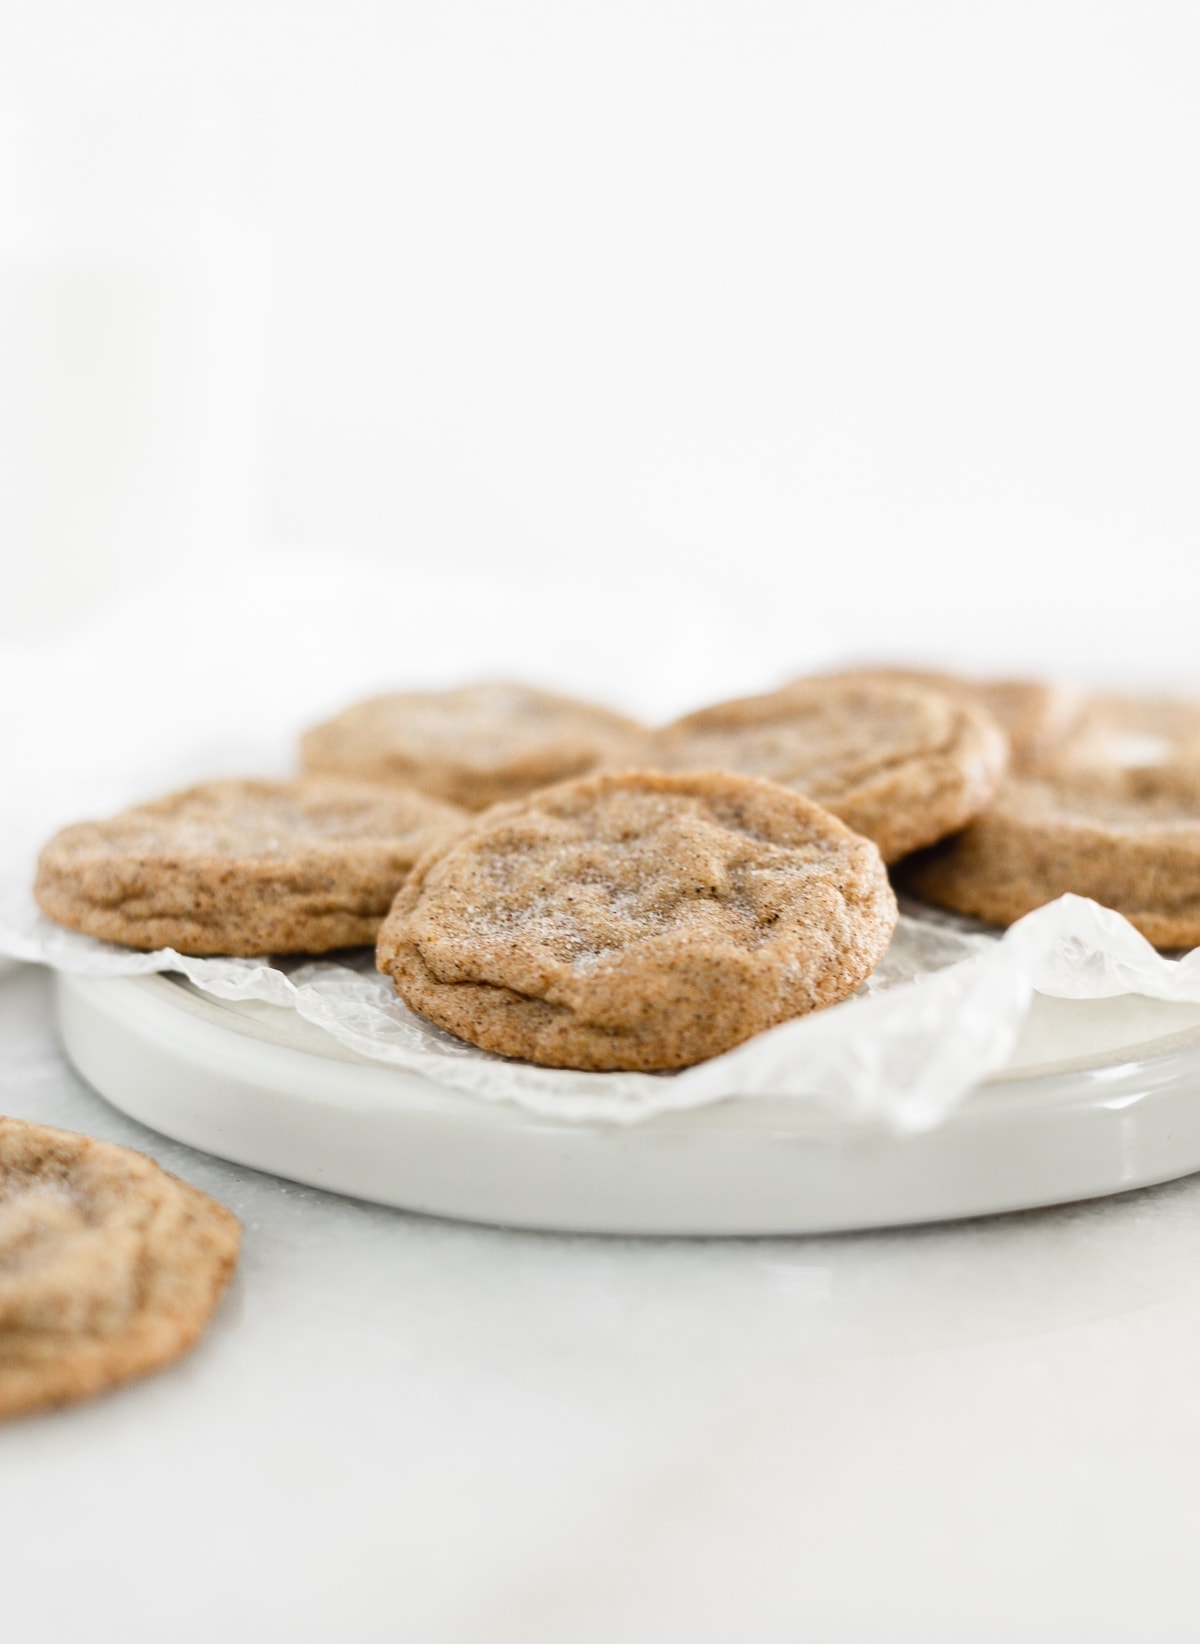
{"x":473,"y":746}
{"x":109,"y":1268}
{"x":899,"y":763}
{"x":1114,"y":815}
{"x":243,"y":867}
{"x":1033,"y":714}
{"x":638,"y":921}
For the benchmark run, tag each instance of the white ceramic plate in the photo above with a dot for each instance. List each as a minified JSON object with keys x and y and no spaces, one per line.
{"x":1100,"y":1096}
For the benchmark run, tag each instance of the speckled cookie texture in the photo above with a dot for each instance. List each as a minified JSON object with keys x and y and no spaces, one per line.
{"x":902,"y":765}
{"x":109,"y":1267}
{"x":1113,"y":813}
{"x":1033,"y":714}
{"x":474,"y":746}
{"x":243,"y":867}
{"x":638,"y":920}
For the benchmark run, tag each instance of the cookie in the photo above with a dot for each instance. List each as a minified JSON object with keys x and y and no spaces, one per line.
{"x":899,"y":763}
{"x":1115,"y":815}
{"x":243,"y":867}
{"x":1034,"y":715}
{"x":109,"y":1268}
{"x":638,"y":920}
{"x":473,"y":746}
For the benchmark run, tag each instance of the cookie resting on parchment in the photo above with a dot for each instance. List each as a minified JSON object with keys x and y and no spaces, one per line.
{"x":1111,"y":812}
{"x":638,"y":920}
{"x":474,"y":746}
{"x":243,"y":867}
{"x":903,"y":765}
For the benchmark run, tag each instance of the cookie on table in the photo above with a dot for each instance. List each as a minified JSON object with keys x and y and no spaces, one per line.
{"x":109,"y":1267}
{"x":243,"y":867}
{"x":897,"y":762}
{"x":638,"y":920}
{"x":1034,"y":714}
{"x":1115,"y":815}
{"x":474,"y":745}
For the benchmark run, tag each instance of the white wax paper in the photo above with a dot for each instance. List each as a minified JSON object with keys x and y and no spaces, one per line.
{"x":941,"y":1012}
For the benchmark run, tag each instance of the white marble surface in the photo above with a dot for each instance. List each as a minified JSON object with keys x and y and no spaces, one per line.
{"x":405,"y":1429}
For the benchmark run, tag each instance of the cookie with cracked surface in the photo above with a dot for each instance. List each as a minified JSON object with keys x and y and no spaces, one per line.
{"x":109,"y":1267}
{"x":1034,"y":715}
{"x":474,"y":746}
{"x":243,"y":867}
{"x":1115,"y":816}
{"x":899,"y":763}
{"x":638,"y":920}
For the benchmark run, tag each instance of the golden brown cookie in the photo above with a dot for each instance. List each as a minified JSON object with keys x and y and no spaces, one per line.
{"x":473,"y":746}
{"x":638,"y":920}
{"x":243,"y":867}
{"x":1114,"y":816}
{"x":1033,"y":714}
{"x":899,"y":763}
{"x":109,"y":1268}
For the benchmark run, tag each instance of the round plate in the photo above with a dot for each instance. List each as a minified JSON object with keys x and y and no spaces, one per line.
{"x":1100,"y":1096}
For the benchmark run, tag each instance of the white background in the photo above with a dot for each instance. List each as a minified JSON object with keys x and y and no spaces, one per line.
{"x":873,"y":326}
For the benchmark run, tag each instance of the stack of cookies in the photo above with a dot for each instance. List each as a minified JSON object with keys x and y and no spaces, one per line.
{"x":550,"y":880}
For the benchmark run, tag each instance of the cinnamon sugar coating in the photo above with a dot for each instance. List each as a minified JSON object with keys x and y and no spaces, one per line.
{"x":109,"y":1267}
{"x":902,"y":765}
{"x":638,"y":920}
{"x":243,"y":867}
{"x":473,"y":746}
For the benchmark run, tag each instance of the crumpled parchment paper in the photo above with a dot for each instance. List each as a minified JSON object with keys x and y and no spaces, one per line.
{"x":941,"y":1012}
